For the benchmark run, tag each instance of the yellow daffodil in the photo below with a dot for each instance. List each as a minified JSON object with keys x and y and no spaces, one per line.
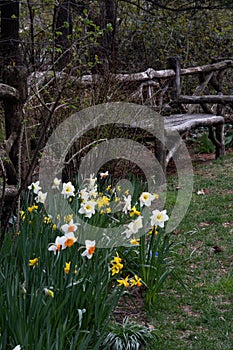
{"x":136,"y":281}
{"x":135,"y":241}
{"x":67,"y":268}
{"x":23,"y":215}
{"x":153,"y":231}
{"x":116,"y":265}
{"x":67,"y":218}
{"x":32,"y":208}
{"x":134,"y":211}
{"x":47,"y":220}
{"x":34,"y":262}
{"x":103,"y":201}
{"x":124,"y":282}
{"x":49,"y":292}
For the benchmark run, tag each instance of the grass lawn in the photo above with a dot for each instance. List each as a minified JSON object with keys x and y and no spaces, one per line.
{"x":202,"y":317}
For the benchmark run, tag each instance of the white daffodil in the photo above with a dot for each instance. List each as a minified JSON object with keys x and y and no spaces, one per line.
{"x":35,"y":187}
{"x":70,"y":227}
{"x":104,"y":175}
{"x":146,"y":198}
{"x":41,"y":197}
{"x":133,"y":227}
{"x":93,"y":193}
{"x":88,"y":209}
{"x":69,"y":239}
{"x":127,"y":206}
{"x":18,"y":347}
{"x":56,"y":183}
{"x":84,"y":195}
{"x":68,"y":190}
{"x":90,"y":249}
{"x":159,"y":217}
{"x":92,"y":181}
{"x":58,"y":245}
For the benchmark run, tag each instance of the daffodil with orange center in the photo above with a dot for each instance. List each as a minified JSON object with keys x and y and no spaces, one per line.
{"x":90,"y":249}
{"x":136,"y":281}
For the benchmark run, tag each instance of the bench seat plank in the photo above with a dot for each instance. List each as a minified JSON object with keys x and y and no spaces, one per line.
{"x":185,"y":122}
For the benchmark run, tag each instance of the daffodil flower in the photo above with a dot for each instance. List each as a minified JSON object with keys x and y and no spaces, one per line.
{"x":56,"y":183}
{"x":103,"y":201}
{"x":35,"y":187}
{"x":133,"y":227}
{"x":84,"y":195}
{"x":58,"y":245}
{"x":124,"y":282}
{"x":104,"y":175}
{"x":67,"y":268}
{"x":69,"y":239}
{"x":41,"y":197}
{"x":49,"y":292}
{"x":23,"y":215}
{"x":134,"y":211}
{"x":68,"y":190}
{"x":70,"y":227}
{"x":88,"y":209}
{"x":32,"y":208}
{"x":158,"y":218}
{"x":18,"y":347}
{"x":135,"y":241}
{"x":127,"y":206}
{"x":90,"y":249}
{"x":146,"y":198}
{"x":116,"y":264}
{"x":34,"y":262}
{"x":136,"y":281}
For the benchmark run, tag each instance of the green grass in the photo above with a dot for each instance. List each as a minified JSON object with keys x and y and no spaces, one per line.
{"x":202,"y":318}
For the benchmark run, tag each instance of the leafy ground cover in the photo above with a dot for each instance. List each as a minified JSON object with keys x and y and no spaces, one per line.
{"x":201,"y":317}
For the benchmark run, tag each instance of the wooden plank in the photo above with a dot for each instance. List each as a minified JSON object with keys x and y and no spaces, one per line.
{"x":184,"y":122}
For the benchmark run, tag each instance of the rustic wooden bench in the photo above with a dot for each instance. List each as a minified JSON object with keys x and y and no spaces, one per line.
{"x":198,"y":110}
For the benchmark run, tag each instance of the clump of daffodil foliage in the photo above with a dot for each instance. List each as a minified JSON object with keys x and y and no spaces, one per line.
{"x":58,"y":285}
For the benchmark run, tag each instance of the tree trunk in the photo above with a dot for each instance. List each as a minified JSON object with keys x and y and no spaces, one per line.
{"x":14,"y":75}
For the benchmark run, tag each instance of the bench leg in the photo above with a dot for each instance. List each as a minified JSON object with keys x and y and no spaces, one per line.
{"x":220,"y":149}
{"x":218,"y":139}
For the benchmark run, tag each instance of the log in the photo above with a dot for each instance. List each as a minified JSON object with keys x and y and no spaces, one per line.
{"x":39,"y":78}
{"x":223,"y":99}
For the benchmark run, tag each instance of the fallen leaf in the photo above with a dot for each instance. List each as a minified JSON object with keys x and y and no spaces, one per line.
{"x":205,"y":224}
